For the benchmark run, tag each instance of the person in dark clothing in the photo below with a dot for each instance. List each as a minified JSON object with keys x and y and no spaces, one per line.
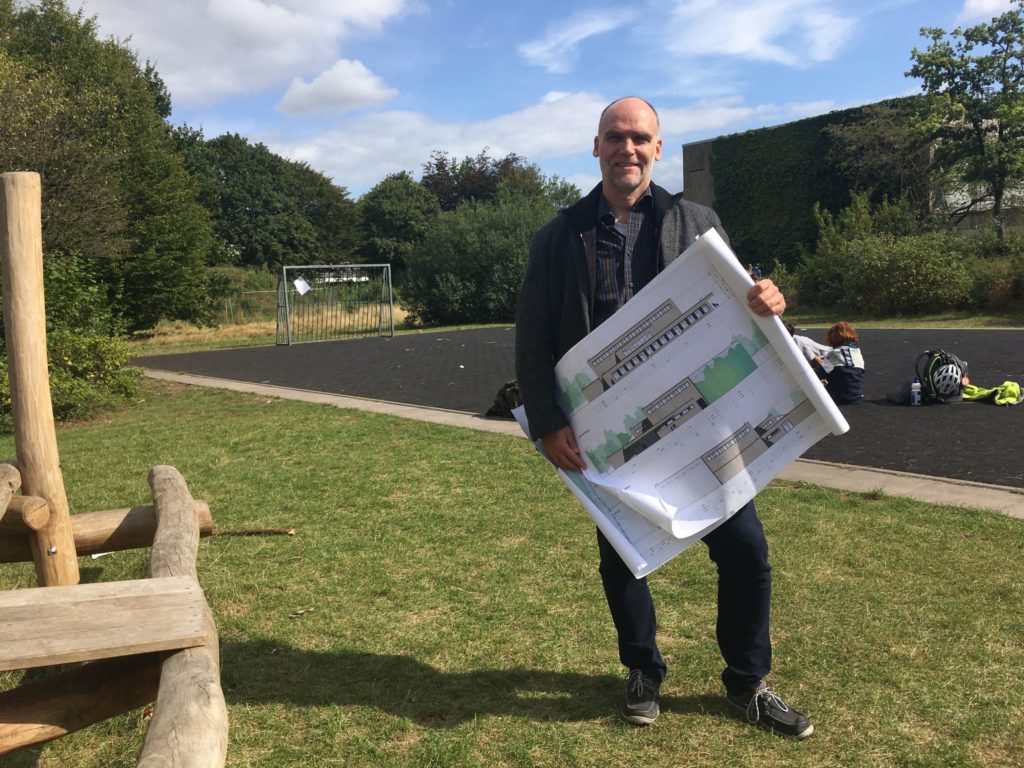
{"x":583,"y":266}
{"x":843,"y":365}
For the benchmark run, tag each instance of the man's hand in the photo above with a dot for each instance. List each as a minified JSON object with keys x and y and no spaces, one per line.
{"x":765,"y":299}
{"x":561,"y":449}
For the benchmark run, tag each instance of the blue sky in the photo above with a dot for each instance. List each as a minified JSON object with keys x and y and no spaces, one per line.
{"x":363,"y":88}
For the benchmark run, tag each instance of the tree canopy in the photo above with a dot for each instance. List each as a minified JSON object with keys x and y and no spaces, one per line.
{"x":975,"y":75}
{"x":82,"y":113}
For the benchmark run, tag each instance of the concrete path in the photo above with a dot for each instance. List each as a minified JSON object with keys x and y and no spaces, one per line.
{"x":959,"y":493}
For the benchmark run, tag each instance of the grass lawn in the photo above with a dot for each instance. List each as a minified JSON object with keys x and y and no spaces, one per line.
{"x":439,"y":605}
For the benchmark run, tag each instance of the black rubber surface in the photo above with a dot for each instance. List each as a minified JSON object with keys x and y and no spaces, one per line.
{"x":463,"y":370}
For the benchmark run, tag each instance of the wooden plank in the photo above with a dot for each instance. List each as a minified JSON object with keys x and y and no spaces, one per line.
{"x":76,"y":698}
{"x":60,"y":625}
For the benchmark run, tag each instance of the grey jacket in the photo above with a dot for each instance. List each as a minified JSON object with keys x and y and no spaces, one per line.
{"x":556,"y":301}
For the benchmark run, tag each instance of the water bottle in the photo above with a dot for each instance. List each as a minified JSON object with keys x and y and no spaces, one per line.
{"x":915,"y":392}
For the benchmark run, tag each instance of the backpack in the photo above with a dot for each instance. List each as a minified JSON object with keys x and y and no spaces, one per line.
{"x":941,"y":375}
{"x":506,"y":399}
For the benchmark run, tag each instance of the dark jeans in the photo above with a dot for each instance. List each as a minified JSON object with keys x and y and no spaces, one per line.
{"x":739,"y":548}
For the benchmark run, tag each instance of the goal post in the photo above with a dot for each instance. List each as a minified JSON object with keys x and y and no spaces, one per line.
{"x":320,"y":302}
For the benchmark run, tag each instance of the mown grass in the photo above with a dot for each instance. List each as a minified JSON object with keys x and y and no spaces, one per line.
{"x":439,"y":605}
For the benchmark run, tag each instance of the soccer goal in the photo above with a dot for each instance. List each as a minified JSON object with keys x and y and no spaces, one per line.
{"x":320,"y":302}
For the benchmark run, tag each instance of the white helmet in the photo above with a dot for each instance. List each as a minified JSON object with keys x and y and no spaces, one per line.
{"x":948,"y":379}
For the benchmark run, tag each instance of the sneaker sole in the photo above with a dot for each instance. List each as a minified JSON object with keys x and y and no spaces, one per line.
{"x":637,"y":719}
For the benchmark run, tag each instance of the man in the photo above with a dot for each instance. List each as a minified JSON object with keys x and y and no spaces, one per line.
{"x":584,"y":265}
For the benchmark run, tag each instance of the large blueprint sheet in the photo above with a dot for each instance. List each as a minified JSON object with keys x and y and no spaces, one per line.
{"x":685,"y":404}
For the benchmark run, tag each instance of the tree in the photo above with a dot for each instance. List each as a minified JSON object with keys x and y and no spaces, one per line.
{"x":975,"y":76}
{"x":470,"y":264}
{"x":114,"y":188}
{"x":474,"y":178}
{"x":269,"y":211}
{"x":396,"y":215}
{"x":560,"y":193}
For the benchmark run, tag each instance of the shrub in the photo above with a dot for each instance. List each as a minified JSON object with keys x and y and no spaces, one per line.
{"x":470,"y":265}
{"x":89,"y":373}
{"x":891,"y":275}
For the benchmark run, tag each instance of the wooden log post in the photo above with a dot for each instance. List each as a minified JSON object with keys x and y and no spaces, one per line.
{"x":108,"y":530}
{"x":56,"y":706}
{"x":25,"y":514}
{"x":35,"y":436}
{"x":10,"y":481}
{"x":189,"y":728}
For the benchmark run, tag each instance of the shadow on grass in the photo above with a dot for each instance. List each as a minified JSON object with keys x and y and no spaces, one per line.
{"x":265,"y":672}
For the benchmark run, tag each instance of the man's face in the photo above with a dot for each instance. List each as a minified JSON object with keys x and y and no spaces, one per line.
{"x":627,"y":144}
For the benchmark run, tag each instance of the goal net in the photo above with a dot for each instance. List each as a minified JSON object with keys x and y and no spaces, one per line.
{"x":322,"y":302}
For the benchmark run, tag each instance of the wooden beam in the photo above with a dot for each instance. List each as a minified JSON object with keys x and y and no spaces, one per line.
{"x":25,"y":514}
{"x":45,"y":626}
{"x":35,"y":436}
{"x":190,"y":719}
{"x":38,"y":712}
{"x":10,"y":481}
{"x":110,"y":530}
{"x":176,"y":540}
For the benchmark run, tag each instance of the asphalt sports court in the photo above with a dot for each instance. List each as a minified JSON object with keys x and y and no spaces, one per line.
{"x":463,"y":371}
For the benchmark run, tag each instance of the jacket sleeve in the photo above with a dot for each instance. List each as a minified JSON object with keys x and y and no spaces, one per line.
{"x":537,"y":339}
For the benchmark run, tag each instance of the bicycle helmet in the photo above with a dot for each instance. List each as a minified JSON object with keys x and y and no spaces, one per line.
{"x":947,"y":379}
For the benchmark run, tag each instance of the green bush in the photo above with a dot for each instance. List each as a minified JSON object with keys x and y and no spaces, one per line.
{"x":888,"y":275}
{"x":881,"y":260}
{"x":88,"y":374}
{"x":996,"y":284}
{"x":469,"y":266}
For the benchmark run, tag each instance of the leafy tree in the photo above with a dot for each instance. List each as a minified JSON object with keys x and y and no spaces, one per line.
{"x":475,"y":178}
{"x":114,"y":189}
{"x":560,"y":193}
{"x":975,"y":75}
{"x":269,"y":211}
{"x":396,"y":215}
{"x":470,"y":264}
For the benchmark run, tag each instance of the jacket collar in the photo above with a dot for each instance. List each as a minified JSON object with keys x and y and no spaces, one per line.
{"x":583,"y":214}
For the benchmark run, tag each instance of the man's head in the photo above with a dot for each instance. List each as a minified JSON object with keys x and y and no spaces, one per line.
{"x":628,"y":143}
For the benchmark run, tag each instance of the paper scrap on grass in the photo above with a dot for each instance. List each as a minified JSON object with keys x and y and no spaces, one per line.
{"x":684,"y":405}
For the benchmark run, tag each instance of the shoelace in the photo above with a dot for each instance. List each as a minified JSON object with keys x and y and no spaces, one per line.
{"x":770,"y":697}
{"x":635,"y":683}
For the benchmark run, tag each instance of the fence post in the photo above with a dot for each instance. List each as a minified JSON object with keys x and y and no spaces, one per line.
{"x":35,"y":436}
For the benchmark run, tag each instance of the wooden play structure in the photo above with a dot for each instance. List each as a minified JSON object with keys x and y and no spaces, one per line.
{"x":130,"y":642}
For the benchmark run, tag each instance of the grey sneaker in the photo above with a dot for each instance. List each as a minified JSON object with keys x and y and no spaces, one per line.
{"x":765,"y":708}
{"x":641,"y":705}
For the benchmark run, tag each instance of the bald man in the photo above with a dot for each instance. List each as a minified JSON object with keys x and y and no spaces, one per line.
{"x":584,"y":265}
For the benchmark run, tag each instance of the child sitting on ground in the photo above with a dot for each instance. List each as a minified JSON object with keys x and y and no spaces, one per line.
{"x":843,"y":365}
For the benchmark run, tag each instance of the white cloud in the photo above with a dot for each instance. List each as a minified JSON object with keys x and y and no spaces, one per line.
{"x":208,"y":50}
{"x":360,"y":151}
{"x":556,"y":51}
{"x":346,"y":85}
{"x":982,"y":10}
{"x":790,"y":32}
